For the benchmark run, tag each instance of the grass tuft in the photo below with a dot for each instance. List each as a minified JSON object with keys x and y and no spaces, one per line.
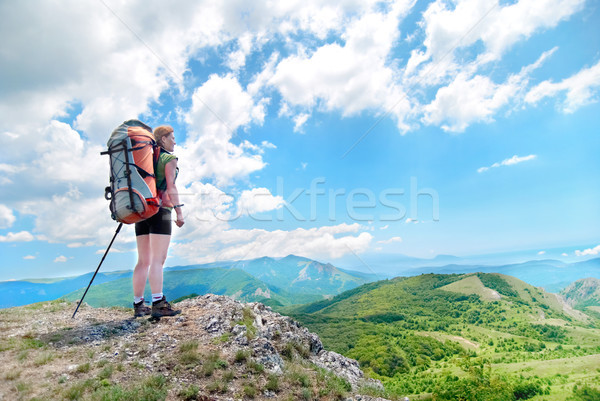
{"x":242,"y":356}
{"x":272,"y":383}
{"x":189,"y":393}
{"x":44,"y":359}
{"x":83,"y":368}
{"x":250,"y":390}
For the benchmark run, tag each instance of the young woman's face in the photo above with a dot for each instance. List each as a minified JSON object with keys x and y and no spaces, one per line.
{"x":169,"y":142}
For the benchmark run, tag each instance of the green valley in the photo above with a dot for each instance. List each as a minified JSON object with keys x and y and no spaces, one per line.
{"x":479,"y":336}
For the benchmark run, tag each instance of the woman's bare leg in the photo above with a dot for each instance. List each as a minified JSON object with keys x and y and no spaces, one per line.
{"x":159,"y":246}
{"x":140,"y":273}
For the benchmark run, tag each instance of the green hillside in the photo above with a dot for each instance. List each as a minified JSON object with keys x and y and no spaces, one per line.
{"x":584,"y":295}
{"x":479,"y":336}
{"x":182,"y":283}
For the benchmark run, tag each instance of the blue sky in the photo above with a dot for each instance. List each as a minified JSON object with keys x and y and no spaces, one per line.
{"x":333,"y":130}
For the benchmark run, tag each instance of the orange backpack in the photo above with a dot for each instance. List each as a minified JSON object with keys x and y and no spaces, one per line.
{"x":133,"y":154}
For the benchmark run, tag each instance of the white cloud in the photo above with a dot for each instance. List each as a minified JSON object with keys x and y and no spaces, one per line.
{"x":220,"y":107}
{"x":7,"y":217}
{"x":115,"y":250}
{"x":80,"y":244}
{"x":452,"y":26}
{"x":465,"y":101}
{"x":508,"y":162}
{"x":454,"y":31}
{"x":299,"y":121}
{"x":21,"y":236}
{"x":581,"y":89}
{"x":541,"y":253}
{"x":9,"y":169}
{"x":61,"y":259}
{"x":258,"y":200}
{"x":588,"y":252}
{"x":352,"y":77}
{"x":29,"y":257}
{"x":321,"y":242}
{"x":390,"y":240}
{"x":520,"y":20}
{"x":469,"y":99}
{"x":81,"y":219}
{"x":385,"y":227}
{"x":237,"y":59}
{"x":65,"y":156}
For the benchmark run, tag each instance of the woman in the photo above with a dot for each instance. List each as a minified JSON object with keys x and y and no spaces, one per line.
{"x":154,"y":234}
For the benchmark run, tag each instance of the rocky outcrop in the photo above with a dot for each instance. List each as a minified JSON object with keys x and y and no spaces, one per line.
{"x":218,"y":347}
{"x":269,"y":336}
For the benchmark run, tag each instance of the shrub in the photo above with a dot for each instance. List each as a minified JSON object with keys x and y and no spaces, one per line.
{"x":526,"y":390}
{"x":586,"y":393}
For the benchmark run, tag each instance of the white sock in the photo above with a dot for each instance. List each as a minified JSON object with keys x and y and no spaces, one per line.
{"x":137,"y":300}
{"x":157,"y":297}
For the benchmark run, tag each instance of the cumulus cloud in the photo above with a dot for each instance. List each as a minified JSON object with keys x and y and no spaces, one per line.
{"x":219,"y":107}
{"x":61,"y":259}
{"x":588,"y":252}
{"x":452,"y":26}
{"x":7,"y":217}
{"x":81,"y":219}
{"x":581,"y":89}
{"x":258,"y":200}
{"x":464,"y":101}
{"x":29,"y":257}
{"x":320,"y":242}
{"x":469,"y":99}
{"x":508,"y":162}
{"x":21,"y":236}
{"x":349,"y":77}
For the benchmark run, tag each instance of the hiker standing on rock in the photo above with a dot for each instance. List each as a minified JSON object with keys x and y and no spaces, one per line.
{"x":153,"y":235}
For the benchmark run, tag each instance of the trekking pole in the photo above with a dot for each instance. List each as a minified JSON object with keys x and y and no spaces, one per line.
{"x":98,"y":268}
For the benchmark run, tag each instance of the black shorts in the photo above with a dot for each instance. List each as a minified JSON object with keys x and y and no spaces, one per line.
{"x":160,"y":223}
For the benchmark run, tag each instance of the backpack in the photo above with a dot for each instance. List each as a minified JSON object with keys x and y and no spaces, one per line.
{"x":133,"y":154}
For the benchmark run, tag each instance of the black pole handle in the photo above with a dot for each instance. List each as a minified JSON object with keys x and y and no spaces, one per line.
{"x":98,"y":268}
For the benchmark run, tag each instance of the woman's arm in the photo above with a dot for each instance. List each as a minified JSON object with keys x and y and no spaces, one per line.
{"x":170,"y":170}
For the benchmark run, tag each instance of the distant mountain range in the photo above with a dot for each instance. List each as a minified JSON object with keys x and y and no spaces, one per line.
{"x":281,"y":281}
{"x":552,"y":275}
{"x":273,"y":281}
{"x":24,"y":292}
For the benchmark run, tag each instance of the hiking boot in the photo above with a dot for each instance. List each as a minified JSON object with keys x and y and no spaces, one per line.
{"x":140,"y":309}
{"x":163,"y":308}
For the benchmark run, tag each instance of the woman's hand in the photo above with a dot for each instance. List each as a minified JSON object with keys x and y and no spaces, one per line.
{"x":179,"y":220}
